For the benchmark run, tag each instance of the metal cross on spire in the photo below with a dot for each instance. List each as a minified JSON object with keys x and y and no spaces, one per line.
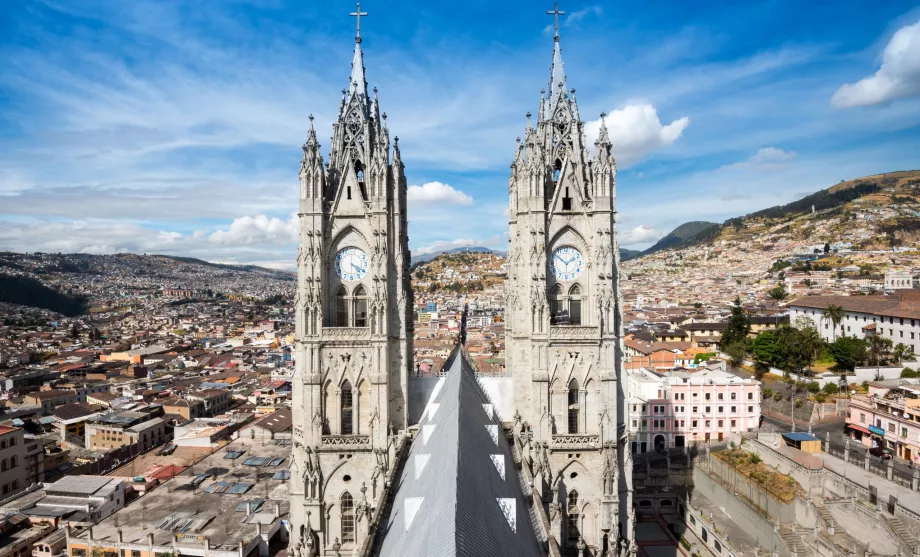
{"x":556,"y":13}
{"x":358,"y":15}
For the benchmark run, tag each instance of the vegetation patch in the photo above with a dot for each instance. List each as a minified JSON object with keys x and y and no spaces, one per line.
{"x":780,"y":486}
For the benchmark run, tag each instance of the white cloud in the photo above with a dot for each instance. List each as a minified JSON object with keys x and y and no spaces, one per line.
{"x":257,"y":229}
{"x":898,"y":77}
{"x":639,"y":235}
{"x":436,"y":192}
{"x":765,"y":159}
{"x":635,"y":131}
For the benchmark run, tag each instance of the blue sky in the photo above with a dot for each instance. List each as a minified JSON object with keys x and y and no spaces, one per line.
{"x":175,"y":126}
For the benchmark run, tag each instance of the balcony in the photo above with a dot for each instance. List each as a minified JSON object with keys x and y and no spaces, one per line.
{"x":573,"y":441}
{"x":346,"y":443}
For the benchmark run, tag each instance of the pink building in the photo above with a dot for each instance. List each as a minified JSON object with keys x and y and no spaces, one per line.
{"x":678,"y":408}
{"x":888,"y":417}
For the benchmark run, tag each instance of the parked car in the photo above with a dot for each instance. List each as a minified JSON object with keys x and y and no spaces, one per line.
{"x":883,"y":454}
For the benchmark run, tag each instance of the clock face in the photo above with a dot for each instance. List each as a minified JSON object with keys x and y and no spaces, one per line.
{"x":567,"y":263}
{"x":351,"y":264}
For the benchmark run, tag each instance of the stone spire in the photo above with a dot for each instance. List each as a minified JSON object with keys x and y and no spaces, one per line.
{"x":556,"y":80}
{"x":358,"y":83}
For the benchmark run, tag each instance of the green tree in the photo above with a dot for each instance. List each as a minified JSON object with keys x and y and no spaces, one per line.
{"x":835,"y":314}
{"x":909,"y":373}
{"x":813,"y":387}
{"x":879,"y":349}
{"x":847,"y":352}
{"x":778,"y":293}
{"x":736,"y":353}
{"x":810,"y":334}
{"x":901,"y":352}
{"x":831,"y":388}
{"x":764,"y":348}
{"x":795,"y":350}
{"x":739,"y":325}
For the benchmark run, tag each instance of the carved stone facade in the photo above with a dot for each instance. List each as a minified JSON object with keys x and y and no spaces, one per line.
{"x":353,"y":326}
{"x":564,"y":325}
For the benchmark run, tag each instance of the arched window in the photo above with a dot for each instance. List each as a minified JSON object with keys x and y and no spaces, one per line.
{"x":556,"y":308}
{"x":575,"y":305}
{"x":572,"y":516}
{"x":360,"y":307}
{"x":348,"y":518}
{"x":4,"y":466}
{"x":557,"y":170}
{"x":573,"y":406}
{"x":341,"y":308}
{"x":13,"y":462}
{"x":13,"y":441}
{"x":3,"y":444}
{"x":347,"y":409}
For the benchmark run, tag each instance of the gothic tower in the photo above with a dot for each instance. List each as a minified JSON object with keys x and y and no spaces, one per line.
{"x":353,"y":324}
{"x":564,"y":323}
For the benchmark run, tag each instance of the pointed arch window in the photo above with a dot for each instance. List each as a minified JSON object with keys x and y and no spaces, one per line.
{"x":348,"y":518}
{"x":575,"y":305}
{"x":347,"y":409}
{"x":556,"y":305}
{"x":574,"y":406}
{"x":360,"y":306}
{"x":341,"y":307}
{"x":572,"y":515}
{"x":359,"y":173}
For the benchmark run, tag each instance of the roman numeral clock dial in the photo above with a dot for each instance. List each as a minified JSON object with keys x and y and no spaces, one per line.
{"x":567,"y":263}
{"x":351,"y":264}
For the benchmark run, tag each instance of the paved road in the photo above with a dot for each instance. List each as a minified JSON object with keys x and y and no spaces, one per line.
{"x":838,"y":442}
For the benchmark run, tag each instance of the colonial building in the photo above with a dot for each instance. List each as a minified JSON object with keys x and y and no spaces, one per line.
{"x":564,"y":322}
{"x":353,"y":323}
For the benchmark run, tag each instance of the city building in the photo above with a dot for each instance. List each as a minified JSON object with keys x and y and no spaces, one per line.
{"x":679,"y":408}
{"x":896,"y":317}
{"x":14,"y":475}
{"x":899,"y":279}
{"x":114,"y":430}
{"x":888,"y":417}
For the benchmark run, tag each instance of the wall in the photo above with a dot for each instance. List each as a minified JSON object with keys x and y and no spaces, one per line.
{"x":742,"y":514}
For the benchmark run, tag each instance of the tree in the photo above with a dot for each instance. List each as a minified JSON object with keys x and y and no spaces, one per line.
{"x":847,"y":352}
{"x":796,"y":351}
{"x":901,"y":352}
{"x":831,"y":388}
{"x":879,"y":349}
{"x":764,"y":349}
{"x":835,"y":314}
{"x":736,"y":352}
{"x":909,"y":373}
{"x":778,"y":293}
{"x":810,"y":334}
{"x":739,"y":325}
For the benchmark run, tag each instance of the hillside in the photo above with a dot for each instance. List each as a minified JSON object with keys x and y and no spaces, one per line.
{"x":417,"y":259}
{"x":685,"y":234}
{"x":868,"y":225}
{"x":107,"y":280}
{"x":462,"y":272}
{"x":26,"y":291}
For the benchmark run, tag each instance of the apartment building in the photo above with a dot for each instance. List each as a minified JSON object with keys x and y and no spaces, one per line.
{"x":888,"y":417}
{"x":896,"y":316}
{"x":13,"y":469}
{"x":215,"y":401}
{"x":679,"y":408}
{"x":112,"y":431}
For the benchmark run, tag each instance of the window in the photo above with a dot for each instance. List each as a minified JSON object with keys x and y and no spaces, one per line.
{"x":566,"y":201}
{"x":341,"y":308}
{"x":360,"y":303}
{"x":695,"y":423}
{"x":903,"y":431}
{"x":862,"y":418}
{"x":734,"y":409}
{"x":721,"y":396}
{"x":13,"y":462}
{"x":575,"y":305}
{"x":750,"y":396}
{"x":708,"y":396}
{"x":573,"y":406}
{"x":709,"y":409}
{"x":572,"y":516}
{"x":721,"y":423}
{"x":696,"y":409}
{"x":13,"y":442}
{"x":348,"y":518}
{"x":733,"y":423}
{"x":734,"y":396}
{"x":891,"y":427}
{"x":721,"y":409}
{"x":4,"y":465}
{"x":555,"y":302}
{"x":708,"y":423}
{"x":750,"y":409}
{"x":347,"y":400}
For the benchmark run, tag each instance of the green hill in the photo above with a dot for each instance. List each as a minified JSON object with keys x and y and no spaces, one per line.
{"x":27,"y":291}
{"x":686,"y":234}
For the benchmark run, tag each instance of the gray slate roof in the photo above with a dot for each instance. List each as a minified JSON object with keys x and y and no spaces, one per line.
{"x":459,"y":493}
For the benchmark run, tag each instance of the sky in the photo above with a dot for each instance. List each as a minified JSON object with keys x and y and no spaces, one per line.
{"x":167,"y":126}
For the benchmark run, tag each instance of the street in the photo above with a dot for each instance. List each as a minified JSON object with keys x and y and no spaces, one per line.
{"x":838,"y":443}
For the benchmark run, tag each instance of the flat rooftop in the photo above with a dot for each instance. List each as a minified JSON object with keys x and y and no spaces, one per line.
{"x":209,"y":500}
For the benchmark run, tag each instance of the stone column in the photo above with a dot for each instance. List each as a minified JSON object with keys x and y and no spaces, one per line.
{"x":846,"y":451}
{"x":915,"y":481}
{"x":866,"y":460}
{"x":889,"y":472}
{"x":827,"y":443}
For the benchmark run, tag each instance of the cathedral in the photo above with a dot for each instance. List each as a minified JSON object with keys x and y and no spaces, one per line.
{"x":550,"y":475}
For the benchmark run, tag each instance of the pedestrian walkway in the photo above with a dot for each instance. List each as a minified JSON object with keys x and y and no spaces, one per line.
{"x":908,"y":499}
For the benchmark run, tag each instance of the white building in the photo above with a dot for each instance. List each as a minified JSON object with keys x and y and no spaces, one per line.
{"x":896,"y":317}
{"x":899,"y":280}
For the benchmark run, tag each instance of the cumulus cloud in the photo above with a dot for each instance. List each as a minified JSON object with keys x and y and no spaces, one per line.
{"x":898,"y":77}
{"x":635,"y":131}
{"x":436,"y":192}
{"x":257,"y":229}
{"x":641,"y":234}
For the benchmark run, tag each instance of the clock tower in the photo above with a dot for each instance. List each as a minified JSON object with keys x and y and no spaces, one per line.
{"x":353,"y":324}
{"x":564,"y":322}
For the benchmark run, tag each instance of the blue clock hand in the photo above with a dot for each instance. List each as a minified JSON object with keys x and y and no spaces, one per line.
{"x":355,"y":267}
